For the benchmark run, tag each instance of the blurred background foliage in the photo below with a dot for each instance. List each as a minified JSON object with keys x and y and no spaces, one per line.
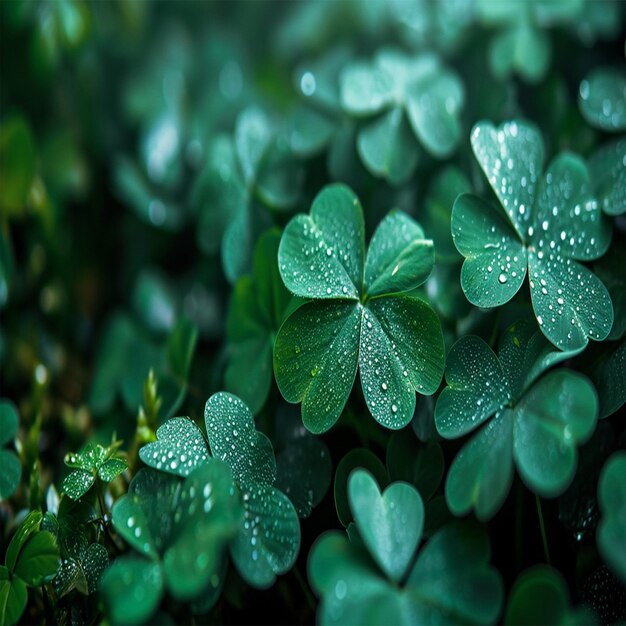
{"x":146,"y":146}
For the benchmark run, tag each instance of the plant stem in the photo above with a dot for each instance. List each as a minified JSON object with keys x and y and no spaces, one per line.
{"x":543,"y":530}
{"x":307,"y":594}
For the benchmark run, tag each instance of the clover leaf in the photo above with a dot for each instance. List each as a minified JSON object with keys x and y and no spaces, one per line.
{"x":181,"y":528}
{"x":10,"y":466}
{"x":540,"y":596}
{"x":412,"y":98}
{"x":32,"y":559}
{"x":451,"y":582}
{"x":267,"y":539}
{"x":258,"y":306}
{"x":93,"y":462}
{"x":523,"y":45}
{"x":607,"y":169}
{"x":360,"y":317}
{"x":390,"y":524}
{"x":551,"y":223}
{"x":81,"y":567}
{"x":612,"y":501}
{"x":242,"y":176}
{"x":534,"y":420}
{"x":602,"y":99}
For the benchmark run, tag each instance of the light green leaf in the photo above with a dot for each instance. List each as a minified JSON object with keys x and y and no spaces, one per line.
{"x":78,"y":483}
{"x":555,"y":416}
{"x":602,"y":99}
{"x":321,"y":254}
{"x":390,"y":523}
{"x":111,"y":469}
{"x":433,"y":105}
{"x":268,"y":541}
{"x":25,"y":530}
{"x":179,"y":449}
{"x":234,"y":439}
{"x":253,"y":134}
{"x":387,"y":147}
{"x":399,"y":257}
{"x":511,"y":156}
{"x":9,"y":421}
{"x":365,"y":90}
{"x":495,"y":258}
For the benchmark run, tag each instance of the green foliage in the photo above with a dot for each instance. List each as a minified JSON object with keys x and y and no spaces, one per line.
{"x":32,"y":559}
{"x":534,"y":420}
{"x":553,"y":222}
{"x":92,"y":463}
{"x":360,"y":313}
{"x":10,"y":466}
{"x":258,"y":203}
{"x":451,"y":581}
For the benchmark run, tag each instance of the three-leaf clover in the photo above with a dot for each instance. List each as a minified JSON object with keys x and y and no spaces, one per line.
{"x":267,"y":539}
{"x":258,"y":306}
{"x":10,"y":466}
{"x":612,"y":501}
{"x":181,"y":528}
{"x":412,"y":98}
{"x":523,"y":45}
{"x":449,"y":582}
{"x":93,"y":462}
{"x":242,"y":175}
{"x":360,"y":315}
{"x":551,"y":223}
{"x":32,"y":559}
{"x":537,"y":421}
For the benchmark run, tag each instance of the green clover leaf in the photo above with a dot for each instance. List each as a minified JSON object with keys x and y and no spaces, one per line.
{"x":451,"y":582}
{"x":553,"y":223}
{"x":182,"y":528}
{"x":540,"y":596}
{"x":602,"y":99}
{"x":81,"y":566}
{"x":360,"y":317}
{"x":534,"y":421}
{"x":10,"y":466}
{"x":242,"y":177}
{"x":32,"y":560}
{"x":268,"y":537}
{"x":390,"y":523}
{"x":91,"y":463}
{"x":258,"y":306}
{"x":523,"y":44}
{"x":405,"y":94}
{"x":612,"y":501}
{"x":607,"y":169}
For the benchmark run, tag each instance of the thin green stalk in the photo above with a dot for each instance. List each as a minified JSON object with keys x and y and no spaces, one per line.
{"x":543,"y":530}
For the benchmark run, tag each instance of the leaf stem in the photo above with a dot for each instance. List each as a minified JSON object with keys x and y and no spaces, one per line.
{"x":305,"y":589}
{"x":543,"y":530}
